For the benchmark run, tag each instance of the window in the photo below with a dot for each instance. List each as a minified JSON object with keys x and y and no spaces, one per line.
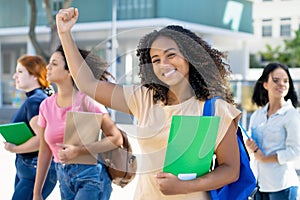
{"x":267,"y":31}
{"x":285,"y":30}
{"x":285,"y":27}
{"x":267,"y":28}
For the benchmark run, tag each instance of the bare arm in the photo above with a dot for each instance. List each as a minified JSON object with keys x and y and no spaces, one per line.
{"x":226,"y":172}
{"x":42,"y":166}
{"x":106,"y":93}
{"x":30,"y":145}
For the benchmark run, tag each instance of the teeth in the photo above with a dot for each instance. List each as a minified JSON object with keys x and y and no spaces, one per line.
{"x":169,"y":73}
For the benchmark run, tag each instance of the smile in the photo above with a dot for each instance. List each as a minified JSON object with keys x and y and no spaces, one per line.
{"x":169,"y":73}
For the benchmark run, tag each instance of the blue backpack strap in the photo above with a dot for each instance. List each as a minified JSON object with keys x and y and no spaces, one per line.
{"x":209,"y":110}
{"x":209,"y":107}
{"x":246,"y":183}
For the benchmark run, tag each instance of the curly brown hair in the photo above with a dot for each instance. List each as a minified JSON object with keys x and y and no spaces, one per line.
{"x":208,"y":72}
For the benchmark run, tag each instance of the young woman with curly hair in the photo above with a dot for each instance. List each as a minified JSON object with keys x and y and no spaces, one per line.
{"x":178,"y":71}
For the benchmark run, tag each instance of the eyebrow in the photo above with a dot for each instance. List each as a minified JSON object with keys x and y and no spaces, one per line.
{"x":165,"y":51}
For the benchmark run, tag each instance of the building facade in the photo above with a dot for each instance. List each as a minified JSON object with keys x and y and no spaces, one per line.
{"x":112,"y":29}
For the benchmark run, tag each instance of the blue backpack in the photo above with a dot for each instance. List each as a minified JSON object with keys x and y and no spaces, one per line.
{"x":245,"y":187}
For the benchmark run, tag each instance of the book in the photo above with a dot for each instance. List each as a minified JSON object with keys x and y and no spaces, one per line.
{"x":16,"y":133}
{"x":191,"y":145}
{"x":82,"y":128}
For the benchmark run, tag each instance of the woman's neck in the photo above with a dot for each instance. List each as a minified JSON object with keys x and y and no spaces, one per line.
{"x":65,"y":95}
{"x":179,"y":95}
{"x":274,"y":106}
{"x":32,"y":87}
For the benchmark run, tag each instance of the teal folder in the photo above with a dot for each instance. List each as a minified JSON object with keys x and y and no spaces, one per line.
{"x":16,"y":133}
{"x":191,"y":145}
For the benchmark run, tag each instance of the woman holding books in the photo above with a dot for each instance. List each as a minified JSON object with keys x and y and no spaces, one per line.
{"x":76,"y":180}
{"x":275,"y":132}
{"x":30,"y":77}
{"x":178,"y":71}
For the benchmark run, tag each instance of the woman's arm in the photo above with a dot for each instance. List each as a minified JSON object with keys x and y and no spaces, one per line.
{"x":112,"y":140}
{"x":228,"y":169}
{"x":30,"y":145}
{"x":106,"y":93}
{"x":42,"y":167}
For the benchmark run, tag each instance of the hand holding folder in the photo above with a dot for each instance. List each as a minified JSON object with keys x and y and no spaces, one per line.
{"x":16,"y":133}
{"x":82,"y":128}
{"x":191,"y":145}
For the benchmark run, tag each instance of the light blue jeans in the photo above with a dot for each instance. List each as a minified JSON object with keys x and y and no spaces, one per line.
{"x":25,"y":178}
{"x":290,"y":193}
{"x":83,"y":182}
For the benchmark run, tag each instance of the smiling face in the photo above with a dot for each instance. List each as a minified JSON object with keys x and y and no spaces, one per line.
{"x":169,"y":65}
{"x":277,"y":84}
{"x":23,"y":79}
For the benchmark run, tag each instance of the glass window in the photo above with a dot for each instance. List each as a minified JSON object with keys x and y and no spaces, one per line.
{"x":266,"y":30}
{"x":285,"y":30}
{"x":285,"y":27}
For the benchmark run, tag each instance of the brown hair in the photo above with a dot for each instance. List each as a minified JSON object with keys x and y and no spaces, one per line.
{"x":208,"y":72}
{"x":36,"y":66}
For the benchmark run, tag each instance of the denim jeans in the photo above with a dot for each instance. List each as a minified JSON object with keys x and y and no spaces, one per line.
{"x":25,"y":178}
{"x":290,"y":193}
{"x":80,"y":182}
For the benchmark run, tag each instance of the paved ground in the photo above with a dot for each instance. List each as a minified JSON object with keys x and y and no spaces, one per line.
{"x":7,"y":173}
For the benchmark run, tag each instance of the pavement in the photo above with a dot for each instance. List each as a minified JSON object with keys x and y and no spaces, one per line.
{"x":7,"y":174}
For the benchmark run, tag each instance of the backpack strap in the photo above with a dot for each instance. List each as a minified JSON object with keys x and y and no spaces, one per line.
{"x":209,"y":110}
{"x":246,"y":183}
{"x":209,"y":106}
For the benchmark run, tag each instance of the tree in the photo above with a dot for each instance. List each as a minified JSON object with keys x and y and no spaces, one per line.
{"x":271,"y":54}
{"x":289,"y":54}
{"x":292,"y":50}
{"x":45,"y":53}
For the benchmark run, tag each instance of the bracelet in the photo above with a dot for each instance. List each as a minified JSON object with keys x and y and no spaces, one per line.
{"x":256,"y":150}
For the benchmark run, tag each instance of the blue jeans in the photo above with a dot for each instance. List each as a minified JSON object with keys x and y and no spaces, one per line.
{"x":25,"y":178}
{"x":290,"y":193}
{"x":80,"y":182}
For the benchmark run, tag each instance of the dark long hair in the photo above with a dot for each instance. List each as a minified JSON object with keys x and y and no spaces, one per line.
{"x":208,"y":73}
{"x":260,"y":94}
{"x":96,"y":64}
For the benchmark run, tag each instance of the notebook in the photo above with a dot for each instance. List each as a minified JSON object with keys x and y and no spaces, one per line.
{"x":191,"y":145}
{"x":16,"y":133}
{"x":82,"y":128}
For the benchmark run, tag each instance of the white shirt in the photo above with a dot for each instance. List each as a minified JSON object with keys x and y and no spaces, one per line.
{"x":280,"y":134}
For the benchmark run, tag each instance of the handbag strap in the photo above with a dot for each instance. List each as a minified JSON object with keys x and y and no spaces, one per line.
{"x":125,"y":144}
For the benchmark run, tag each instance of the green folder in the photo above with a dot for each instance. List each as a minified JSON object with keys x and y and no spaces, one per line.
{"x":191,"y":145}
{"x":16,"y":133}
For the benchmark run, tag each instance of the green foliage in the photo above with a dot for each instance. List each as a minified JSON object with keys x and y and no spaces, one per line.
{"x":288,"y":54}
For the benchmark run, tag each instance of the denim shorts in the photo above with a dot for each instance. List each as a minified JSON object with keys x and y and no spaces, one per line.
{"x":80,"y":182}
